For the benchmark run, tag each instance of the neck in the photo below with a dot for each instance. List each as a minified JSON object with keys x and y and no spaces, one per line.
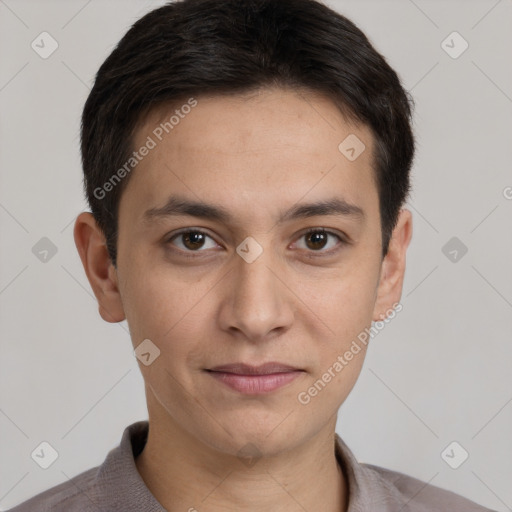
{"x":185,"y":474}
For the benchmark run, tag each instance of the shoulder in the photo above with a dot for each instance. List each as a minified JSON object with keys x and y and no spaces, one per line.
{"x":373,"y":487}
{"x":420,"y":496}
{"x":113,"y":485}
{"x":77,"y":494}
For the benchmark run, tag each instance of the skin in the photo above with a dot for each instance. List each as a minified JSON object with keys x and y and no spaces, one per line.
{"x":257,"y":155}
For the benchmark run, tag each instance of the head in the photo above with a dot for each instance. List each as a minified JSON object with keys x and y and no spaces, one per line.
{"x":215,"y":136}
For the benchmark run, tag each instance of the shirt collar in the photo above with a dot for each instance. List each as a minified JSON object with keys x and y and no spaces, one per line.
{"x":118,"y":476}
{"x":367,"y":489}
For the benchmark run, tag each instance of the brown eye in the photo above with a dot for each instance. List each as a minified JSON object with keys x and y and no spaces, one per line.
{"x":192,"y":240}
{"x":316,"y":240}
{"x":320,"y":240}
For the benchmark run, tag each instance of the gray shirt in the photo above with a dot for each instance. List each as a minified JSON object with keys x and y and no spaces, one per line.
{"x":116,"y":485}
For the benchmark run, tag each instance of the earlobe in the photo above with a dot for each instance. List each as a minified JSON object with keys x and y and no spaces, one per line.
{"x":391,"y":280}
{"x":91,"y":246}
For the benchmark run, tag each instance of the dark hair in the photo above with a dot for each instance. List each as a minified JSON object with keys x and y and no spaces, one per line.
{"x":193,"y":47}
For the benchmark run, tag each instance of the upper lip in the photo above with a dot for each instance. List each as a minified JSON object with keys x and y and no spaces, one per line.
{"x":246,"y":369}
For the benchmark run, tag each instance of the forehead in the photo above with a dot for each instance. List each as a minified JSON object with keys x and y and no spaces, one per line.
{"x":258,"y":151}
{"x":232,"y":121}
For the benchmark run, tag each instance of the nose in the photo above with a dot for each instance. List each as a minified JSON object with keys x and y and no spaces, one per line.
{"x":258,"y":303}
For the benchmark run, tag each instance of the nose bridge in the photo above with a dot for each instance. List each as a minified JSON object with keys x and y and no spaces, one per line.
{"x":255,"y":282}
{"x":259,"y":303}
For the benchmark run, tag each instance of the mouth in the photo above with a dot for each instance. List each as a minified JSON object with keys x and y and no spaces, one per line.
{"x":255,"y":380}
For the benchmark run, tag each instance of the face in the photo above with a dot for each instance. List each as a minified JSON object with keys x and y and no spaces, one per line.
{"x":243,"y":281}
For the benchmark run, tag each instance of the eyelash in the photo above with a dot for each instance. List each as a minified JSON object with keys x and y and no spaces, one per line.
{"x":312,"y":253}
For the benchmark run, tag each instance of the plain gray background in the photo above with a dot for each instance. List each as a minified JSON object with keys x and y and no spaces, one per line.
{"x":438,"y":373}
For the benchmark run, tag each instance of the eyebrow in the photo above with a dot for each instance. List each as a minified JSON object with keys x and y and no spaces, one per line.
{"x":180,"y":206}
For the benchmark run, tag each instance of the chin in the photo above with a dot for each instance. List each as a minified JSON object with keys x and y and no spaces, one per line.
{"x":241,"y":437}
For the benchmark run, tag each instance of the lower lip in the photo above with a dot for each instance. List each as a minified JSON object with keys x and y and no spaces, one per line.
{"x":255,"y":384}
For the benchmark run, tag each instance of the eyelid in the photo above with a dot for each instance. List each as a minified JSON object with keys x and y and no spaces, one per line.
{"x":329,"y":231}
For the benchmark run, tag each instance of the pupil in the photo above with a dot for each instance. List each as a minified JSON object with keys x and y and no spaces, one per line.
{"x":194,"y":238}
{"x":318,"y":237}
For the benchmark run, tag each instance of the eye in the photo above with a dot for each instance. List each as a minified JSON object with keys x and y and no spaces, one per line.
{"x":318,"y":239}
{"x":193,"y":240}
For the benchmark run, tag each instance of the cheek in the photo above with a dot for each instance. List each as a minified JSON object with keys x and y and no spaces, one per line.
{"x":343,"y":300}
{"x":344,"y":304}
{"x":162,"y":306}
{"x":352,"y":305}
{"x":346,"y":310}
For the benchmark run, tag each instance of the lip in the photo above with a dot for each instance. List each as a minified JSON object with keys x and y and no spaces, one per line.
{"x":255,"y":380}
{"x":247,"y":369}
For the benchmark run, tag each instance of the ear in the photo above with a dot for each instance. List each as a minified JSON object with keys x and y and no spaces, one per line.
{"x":101,"y":273}
{"x":389,"y":290}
